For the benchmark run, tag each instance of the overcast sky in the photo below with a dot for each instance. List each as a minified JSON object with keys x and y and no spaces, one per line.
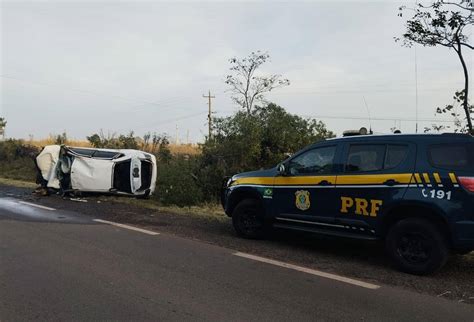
{"x":84,"y":66}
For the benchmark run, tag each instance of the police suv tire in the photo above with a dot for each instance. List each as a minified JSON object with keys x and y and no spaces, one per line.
{"x":248,"y":219}
{"x":416,"y":246}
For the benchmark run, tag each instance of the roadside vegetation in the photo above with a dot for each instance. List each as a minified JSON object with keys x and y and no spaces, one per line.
{"x":258,"y":136}
{"x":192,"y":175}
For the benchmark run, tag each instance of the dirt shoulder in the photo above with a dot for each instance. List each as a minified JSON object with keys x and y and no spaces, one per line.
{"x":350,"y":258}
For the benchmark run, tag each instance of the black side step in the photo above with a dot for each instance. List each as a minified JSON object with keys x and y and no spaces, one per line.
{"x":323,"y":231}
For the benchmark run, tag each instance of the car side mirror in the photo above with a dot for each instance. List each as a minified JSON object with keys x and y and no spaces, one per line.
{"x":282,"y":169}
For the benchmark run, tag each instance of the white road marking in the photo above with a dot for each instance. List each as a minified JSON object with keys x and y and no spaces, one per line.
{"x":37,"y":206}
{"x":149,"y":232}
{"x":309,"y":271}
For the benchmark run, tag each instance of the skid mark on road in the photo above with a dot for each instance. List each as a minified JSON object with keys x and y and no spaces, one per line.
{"x":309,"y":271}
{"x":37,"y":206}
{"x":148,"y":232}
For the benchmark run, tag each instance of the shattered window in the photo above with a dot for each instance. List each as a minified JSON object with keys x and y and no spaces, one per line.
{"x":106,"y":155}
{"x":83,"y":152}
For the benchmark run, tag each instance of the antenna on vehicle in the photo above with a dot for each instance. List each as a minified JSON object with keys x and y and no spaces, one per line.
{"x":368,"y":113}
{"x":416,"y":92}
{"x":416,"y":85}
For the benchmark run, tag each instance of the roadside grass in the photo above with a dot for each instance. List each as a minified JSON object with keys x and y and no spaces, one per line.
{"x":21,"y":169}
{"x":17,"y":183}
{"x":208,"y":211}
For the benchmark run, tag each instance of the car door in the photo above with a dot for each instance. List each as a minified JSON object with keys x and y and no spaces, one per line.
{"x":375,"y":177}
{"x":304,"y":194}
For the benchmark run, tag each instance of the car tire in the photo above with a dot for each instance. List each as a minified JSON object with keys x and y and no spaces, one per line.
{"x":416,"y":246}
{"x":248,"y":219}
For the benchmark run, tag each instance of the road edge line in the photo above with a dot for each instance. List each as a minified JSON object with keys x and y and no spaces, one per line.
{"x":335,"y":277}
{"x":36,"y":205}
{"x":148,"y":232}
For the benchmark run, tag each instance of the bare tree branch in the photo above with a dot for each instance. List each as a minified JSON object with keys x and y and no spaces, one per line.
{"x":439,"y":25}
{"x":248,"y":88}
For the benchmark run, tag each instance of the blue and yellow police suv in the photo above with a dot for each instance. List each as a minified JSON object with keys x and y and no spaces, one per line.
{"x":414,"y":192}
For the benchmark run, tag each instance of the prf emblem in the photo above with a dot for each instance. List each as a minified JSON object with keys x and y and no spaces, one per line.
{"x":360,"y":206}
{"x":302,"y":200}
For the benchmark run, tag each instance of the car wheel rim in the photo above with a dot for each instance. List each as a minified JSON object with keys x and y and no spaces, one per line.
{"x":414,"y":248}
{"x":249,"y":221}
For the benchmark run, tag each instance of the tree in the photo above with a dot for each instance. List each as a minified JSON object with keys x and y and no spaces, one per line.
{"x":3,"y":124}
{"x":247,"y":87}
{"x":451,"y":109}
{"x":443,"y":24}
{"x":261,"y":139}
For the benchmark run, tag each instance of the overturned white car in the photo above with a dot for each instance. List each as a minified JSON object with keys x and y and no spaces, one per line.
{"x":70,"y":169}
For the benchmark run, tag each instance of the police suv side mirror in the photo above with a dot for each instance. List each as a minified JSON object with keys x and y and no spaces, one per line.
{"x":282,"y":169}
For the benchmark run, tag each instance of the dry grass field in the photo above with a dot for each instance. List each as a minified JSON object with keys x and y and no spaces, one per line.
{"x":191,"y":149}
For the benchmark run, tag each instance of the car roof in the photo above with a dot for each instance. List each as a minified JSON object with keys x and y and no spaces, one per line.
{"x":395,"y":137}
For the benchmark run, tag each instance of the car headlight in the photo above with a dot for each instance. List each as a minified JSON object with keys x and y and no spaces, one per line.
{"x":229,"y":182}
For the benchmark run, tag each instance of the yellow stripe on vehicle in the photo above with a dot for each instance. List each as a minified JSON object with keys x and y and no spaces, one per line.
{"x":437,"y":177}
{"x":255,"y":180}
{"x":365,"y":179}
{"x":402,"y":178}
{"x":418,"y":178}
{"x":452,"y":176}
{"x":281,"y":181}
{"x":426,"y":177}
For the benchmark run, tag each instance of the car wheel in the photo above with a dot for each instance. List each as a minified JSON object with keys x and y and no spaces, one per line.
{"x":417,"y":246}
{"x":248,"y":219}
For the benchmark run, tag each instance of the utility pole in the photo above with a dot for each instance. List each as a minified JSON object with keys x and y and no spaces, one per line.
{"x":3,"y":124}
{"x":209,"y":116}
{"x":177,"y":140}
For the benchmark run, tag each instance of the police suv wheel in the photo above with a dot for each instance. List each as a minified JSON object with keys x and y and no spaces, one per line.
{"x":248,"y":219}
{"x":416,"y":246}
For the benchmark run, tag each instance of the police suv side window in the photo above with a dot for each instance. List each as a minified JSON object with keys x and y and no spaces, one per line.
{"x":396,"y":154}
{"x":315,"y":161}
{"x":452,"y":156}
{"x":375,"y":157}
{"x":365,"y":157}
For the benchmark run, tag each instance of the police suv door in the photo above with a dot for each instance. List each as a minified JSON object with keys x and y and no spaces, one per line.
{"x":376,"y":175}
{"x":304,"y":195}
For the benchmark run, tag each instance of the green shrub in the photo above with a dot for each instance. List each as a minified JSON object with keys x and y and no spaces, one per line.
{"x":261,"y":139}
{"x":17,"y":160}
{"x":177,"y":183}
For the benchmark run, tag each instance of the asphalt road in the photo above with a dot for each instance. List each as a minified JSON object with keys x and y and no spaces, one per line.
{"x":61,"y":265}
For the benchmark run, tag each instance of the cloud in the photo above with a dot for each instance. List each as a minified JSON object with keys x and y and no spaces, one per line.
{"x":85,"y":66}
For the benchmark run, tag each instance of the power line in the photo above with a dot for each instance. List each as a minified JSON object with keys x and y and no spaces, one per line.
{"x":161,"y":103}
